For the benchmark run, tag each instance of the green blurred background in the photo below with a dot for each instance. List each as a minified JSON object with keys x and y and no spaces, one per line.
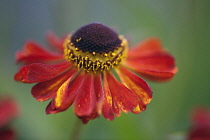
{"x":182,"y":25}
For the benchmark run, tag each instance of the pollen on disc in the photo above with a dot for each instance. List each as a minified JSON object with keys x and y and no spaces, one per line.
{"x":96,"y":37}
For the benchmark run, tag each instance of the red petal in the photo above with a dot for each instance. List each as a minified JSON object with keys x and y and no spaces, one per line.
{"x":123,"y":99}
{"x":85,"y":101}
{"x":38,"y":72}
{"x":55,"y":41}
{"x":136,"y":84}
{"x":46,"y":90}
{"x":65,"y":95}
{"x":107,"y":109}
{"x":152,"y":61}
{"x":99,"y":92}
{"x":99,"y":97}
{"x":34,"y":53}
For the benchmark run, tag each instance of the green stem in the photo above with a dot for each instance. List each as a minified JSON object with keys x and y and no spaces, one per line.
{"x":76,"y":130}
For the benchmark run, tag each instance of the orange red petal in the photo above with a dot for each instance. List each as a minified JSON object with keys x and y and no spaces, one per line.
{"x":85,"y":101}
{"x":99,"y":93}
{"x":107,"y":109}
{"x":65,"y":95}
{"x":118,"y":98}
{"x":38,"y":72}
{"x":46,"y":90}
{"x":34,"y":53}
{"x":136,"y":84}
{"x":151,"y":61}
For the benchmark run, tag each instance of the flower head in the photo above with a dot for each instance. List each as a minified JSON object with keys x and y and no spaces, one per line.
{"x":93,"y":69}
{"x":8,"y":111}
{"x":200,"y":129}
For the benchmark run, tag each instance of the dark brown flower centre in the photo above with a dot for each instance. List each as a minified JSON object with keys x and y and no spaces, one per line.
{"x":95,"y":47}
{"x":96,"y":37}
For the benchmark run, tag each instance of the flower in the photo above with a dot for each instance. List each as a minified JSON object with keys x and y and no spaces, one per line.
{"x":8,"y":111}
{"x":93,"y":69}
{"x":200,"y":127}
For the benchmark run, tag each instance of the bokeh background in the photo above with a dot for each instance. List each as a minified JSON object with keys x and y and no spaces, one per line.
{"x":182,"y":25}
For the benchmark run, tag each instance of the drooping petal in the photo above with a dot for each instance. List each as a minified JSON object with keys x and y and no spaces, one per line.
{"x":151,"y":61}
{"x":123,"y":99}
{"x":35,"y":53}
{"x":99,"y":92}
{"x":136,"y":84}
{"x":46,"y":90}
{"x":55,"y":41}
{"x":107,"y":109}
{"x":85,"y":101}
{"x":99,"y":99}
{"x":65,"y":95}
{"x":38,"y":72}
{"x":142,"y":106}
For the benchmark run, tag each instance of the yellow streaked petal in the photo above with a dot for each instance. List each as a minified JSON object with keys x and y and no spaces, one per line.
{"x":61,"y":92}
{"x":136,"y":84}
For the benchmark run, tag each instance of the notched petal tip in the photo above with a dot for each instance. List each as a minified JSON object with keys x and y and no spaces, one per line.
{"x":21,"y":75}
{"x":50,"y":110}
{"x":86,"y":119}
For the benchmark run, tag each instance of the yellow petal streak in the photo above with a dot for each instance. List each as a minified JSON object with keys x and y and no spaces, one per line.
{"x":137,"y":109}
{"x":60,"y":93}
